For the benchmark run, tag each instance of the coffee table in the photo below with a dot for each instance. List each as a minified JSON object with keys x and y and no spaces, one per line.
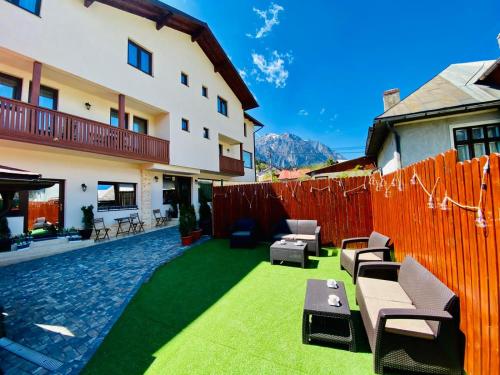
{"x":289,"y":252}
{"x":325,"y":323}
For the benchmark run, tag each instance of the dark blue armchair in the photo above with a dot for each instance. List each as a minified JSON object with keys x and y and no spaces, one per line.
{"x":243,"y":233}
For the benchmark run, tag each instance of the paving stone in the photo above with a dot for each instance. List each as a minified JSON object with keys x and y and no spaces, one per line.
{"x":84,"y":292}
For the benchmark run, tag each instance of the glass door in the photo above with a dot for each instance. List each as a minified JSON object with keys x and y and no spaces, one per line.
{"x":45,"y":211}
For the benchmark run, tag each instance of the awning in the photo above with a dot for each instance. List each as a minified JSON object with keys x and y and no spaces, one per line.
{"x":14,"y":180}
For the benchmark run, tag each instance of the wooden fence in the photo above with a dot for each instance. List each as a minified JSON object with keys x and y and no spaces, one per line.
{"x":418,"y":207}
{"x":341,"y":206}
{"x":451,"y":242}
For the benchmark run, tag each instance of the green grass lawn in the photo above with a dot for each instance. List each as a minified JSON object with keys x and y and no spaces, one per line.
{"x":217,"y":310}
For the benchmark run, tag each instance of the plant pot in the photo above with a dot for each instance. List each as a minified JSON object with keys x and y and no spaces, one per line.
{"x":186,"y":241}
{"x":197,"y":234}
{"x":85,"y":233}
{"x":5,"y":244}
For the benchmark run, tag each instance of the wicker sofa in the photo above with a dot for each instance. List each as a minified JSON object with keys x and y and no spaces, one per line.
{"x":303,"y":230}
{"x":411,"y":322}
{"x":376,"y":250}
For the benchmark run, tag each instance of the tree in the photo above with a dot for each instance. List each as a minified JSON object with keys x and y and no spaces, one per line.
{"x":330,"y":161}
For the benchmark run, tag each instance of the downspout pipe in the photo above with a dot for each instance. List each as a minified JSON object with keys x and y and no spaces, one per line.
{"x":397,"y":140}
{"x":254,"y":153}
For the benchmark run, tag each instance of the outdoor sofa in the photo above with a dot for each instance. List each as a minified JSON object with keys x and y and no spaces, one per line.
{"x":412,"y":321}
{"x":244,"y":233}
{"x":376,"y":250}
{"x":307,"y":231}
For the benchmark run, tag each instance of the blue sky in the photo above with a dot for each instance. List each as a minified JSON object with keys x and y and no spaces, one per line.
{"x":318,"y":68}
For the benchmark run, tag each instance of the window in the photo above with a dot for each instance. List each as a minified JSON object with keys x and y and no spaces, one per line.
{"x":184,"y":79}
{"x":116,"y":196}
{"x":206,"y":133}
{"x":139,"y":58}
{"x":247,"y":160}
{"x":222,"y":106}
{"x":10,"y":87}
{"x":32,"y":6}
{"x":185,"y":125}
{"x":114,"y":120}
{"x":204,"y":91}
{"x":140,"y":125}
{"x":473,"y":142}
{"x":48,"y":97}
{"x":245,"y":129}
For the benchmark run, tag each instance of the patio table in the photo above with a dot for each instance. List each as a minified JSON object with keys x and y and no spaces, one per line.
{"x":325,"y":323}
{"x":289,"y":251}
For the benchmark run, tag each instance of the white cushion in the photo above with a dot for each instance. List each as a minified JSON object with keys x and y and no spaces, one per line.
{"x":382,"y":289}
{"x":409,"y":327}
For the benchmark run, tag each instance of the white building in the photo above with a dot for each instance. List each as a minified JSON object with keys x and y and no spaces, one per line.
{"x":134,"y":98}
{"x":459,"y":108}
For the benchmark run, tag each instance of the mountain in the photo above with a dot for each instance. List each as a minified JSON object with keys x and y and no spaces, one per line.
{"x":290,"y":151}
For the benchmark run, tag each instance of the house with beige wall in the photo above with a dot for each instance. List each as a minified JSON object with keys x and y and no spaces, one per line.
{"x":459,"y":108}
{"x":127,"y":105}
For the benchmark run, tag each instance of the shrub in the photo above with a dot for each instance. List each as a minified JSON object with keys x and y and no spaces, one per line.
{"x":88,"y":217}
{"x":4,"y":228}
{"x":184,"y":221}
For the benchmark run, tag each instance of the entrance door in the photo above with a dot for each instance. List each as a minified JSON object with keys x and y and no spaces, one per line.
{"x":176,"y":192}
{"x":45,"y":210}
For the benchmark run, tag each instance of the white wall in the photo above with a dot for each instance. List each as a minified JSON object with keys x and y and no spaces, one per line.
{"x":92,"y":43}
{"x":75,"y":170}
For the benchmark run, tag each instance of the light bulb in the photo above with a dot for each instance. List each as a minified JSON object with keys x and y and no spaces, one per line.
{"x":430,"y":203}
{"x":413,"y":180}
{"x":444,"y":204}
{"x":480,"y":221}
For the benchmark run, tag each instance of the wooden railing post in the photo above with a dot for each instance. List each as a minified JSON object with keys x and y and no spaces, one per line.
{"x":35,"y":82}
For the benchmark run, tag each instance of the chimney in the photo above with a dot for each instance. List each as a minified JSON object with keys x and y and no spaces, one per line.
{"x":391,"y":98}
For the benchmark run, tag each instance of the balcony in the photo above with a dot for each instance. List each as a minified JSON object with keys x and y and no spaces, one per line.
{"x":231,"y":166}
{"x":24,"y":122}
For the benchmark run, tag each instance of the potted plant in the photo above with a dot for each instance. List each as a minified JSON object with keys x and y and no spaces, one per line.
{"x":205,"y":222}
{"x":88,"y":222}
{"x":5,"y":240}
{"x":22,"y":242}
{"x":197,"y":232}
{"x":185,"y":227}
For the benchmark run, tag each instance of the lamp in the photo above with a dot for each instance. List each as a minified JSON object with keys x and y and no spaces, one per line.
{"x":84,"y":188}
{"x":156,"y":178}
{"x":88,"y":106}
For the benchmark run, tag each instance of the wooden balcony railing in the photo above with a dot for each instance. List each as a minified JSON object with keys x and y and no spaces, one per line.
{"x":231,"y":166}
{"x":24,"y":122}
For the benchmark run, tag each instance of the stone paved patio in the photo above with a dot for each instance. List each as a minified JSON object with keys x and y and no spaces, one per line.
{"x":82,"y":292}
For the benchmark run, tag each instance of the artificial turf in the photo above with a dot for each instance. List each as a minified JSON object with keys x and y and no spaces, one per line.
{"x":217,"y":310}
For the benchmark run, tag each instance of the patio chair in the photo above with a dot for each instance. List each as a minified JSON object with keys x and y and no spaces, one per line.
{"x":243,"y":234}
{"x":376,"y":250}
{"x":136,"y":223}
{"x":160,"y":220}
{"x":100,"y":228}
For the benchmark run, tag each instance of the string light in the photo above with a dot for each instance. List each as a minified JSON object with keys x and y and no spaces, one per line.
{"x":443,"y":206}
{"x":480,"y":221}
{"x":430,"y":202}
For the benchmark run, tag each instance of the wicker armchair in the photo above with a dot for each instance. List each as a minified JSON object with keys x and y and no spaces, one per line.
{"x":376,"y":250}
{"x":243,"y":233}
{"x":412,"y":323}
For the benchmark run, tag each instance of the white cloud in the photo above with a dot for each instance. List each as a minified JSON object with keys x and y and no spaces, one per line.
{"x":270,"y":17}
{"x":303,"y":112}
{"x":273,"y":69}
